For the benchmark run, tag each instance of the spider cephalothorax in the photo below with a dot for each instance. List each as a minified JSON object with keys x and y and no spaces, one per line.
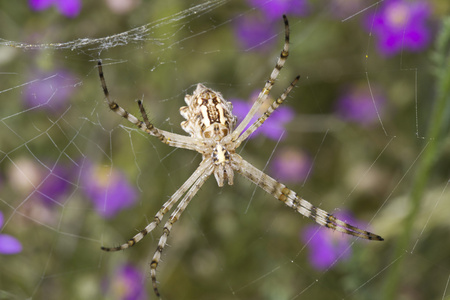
{"x":210,"y":123}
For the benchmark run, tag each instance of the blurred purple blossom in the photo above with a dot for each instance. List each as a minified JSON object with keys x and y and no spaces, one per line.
{"x":327,"y":246}
{"x":128,"y":283}
{"x":8,"y":244}
{"x":290,"y":165}
{"x":357,"y":105}
{"x":108,"y":189}
{"x":52,"y":92}
{"x":55,"y":185}
{"x":255,"y":31}
{"x":400,"y":25}
{"x":273,"y":127}
{"x":275,"y":9}
{"x":68,"y":8}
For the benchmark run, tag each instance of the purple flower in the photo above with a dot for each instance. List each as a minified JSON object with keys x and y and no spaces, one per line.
{"x":290,"y":165}
{"x":273,"y":127}
{"x":275,"y":9}
{"x":400,"y":25}
{"x":357,"y":105}
{"x":68,"y":8}
{"x":52,"y":92}
{"x":108,"y":189}
{"x":55,"y":185}
{"x":8,"y":244}
{"x":128,"y":283}
{"x":256,"y":30}
{"x":327,"y":246}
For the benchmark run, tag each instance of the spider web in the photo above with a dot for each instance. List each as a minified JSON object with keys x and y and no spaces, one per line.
{"x":232,"y":242}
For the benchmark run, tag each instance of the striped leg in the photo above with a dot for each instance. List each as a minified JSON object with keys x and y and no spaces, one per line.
{"x":199,"y":173}
{"x":171,"y":139}
{"x":168,"y":226}
{"x":291,"y":199}
{"x":269,"y":83}
{"x":266,"y":114}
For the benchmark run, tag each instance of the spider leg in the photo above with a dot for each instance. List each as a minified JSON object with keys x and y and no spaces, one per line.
{"x":199,"y":173}
{"x":171,"y":139}
{"x":144,"y":115}
{"x":300,"y":205}
{"x":269,"y":83}
{"x":266,"y":114}
{"x":173,"y":218}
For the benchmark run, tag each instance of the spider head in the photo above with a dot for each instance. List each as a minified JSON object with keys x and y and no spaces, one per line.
{"x":221,"y":160}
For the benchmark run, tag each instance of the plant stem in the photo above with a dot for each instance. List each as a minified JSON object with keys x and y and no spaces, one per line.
{"x":437,"y":133}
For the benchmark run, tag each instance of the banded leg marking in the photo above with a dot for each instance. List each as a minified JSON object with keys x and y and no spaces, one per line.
{"x":300,"y":205}
{"x":269,"y":83}
{"x":168,"y":226}
{"x":171,"y":139}
{"x":267,"y":113}
{"x":164,"y":209}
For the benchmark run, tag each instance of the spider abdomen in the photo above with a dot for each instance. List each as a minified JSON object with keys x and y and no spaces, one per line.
{"x":207,"y":114}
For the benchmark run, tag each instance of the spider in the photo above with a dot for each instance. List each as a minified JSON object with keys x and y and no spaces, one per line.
{"x":210,"y":123}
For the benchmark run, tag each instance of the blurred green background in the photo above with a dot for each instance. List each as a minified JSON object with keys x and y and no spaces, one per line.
{"x":232,"y":242}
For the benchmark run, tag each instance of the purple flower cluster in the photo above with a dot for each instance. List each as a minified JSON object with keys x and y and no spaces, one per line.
{"x":290,"y":165}
{"x":358,"y":104}
{"x":273,"y":10}
{"x":254,"y":30}
{"x":68,"y":8}
{"x":55,"y":185}
{"x":400,"y":25}
{"x":51,"y":93}
{"x":397,"y":25}
{"x":327,"y":247}
{"x":108,"y":189}
{"x":128,"y":283}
